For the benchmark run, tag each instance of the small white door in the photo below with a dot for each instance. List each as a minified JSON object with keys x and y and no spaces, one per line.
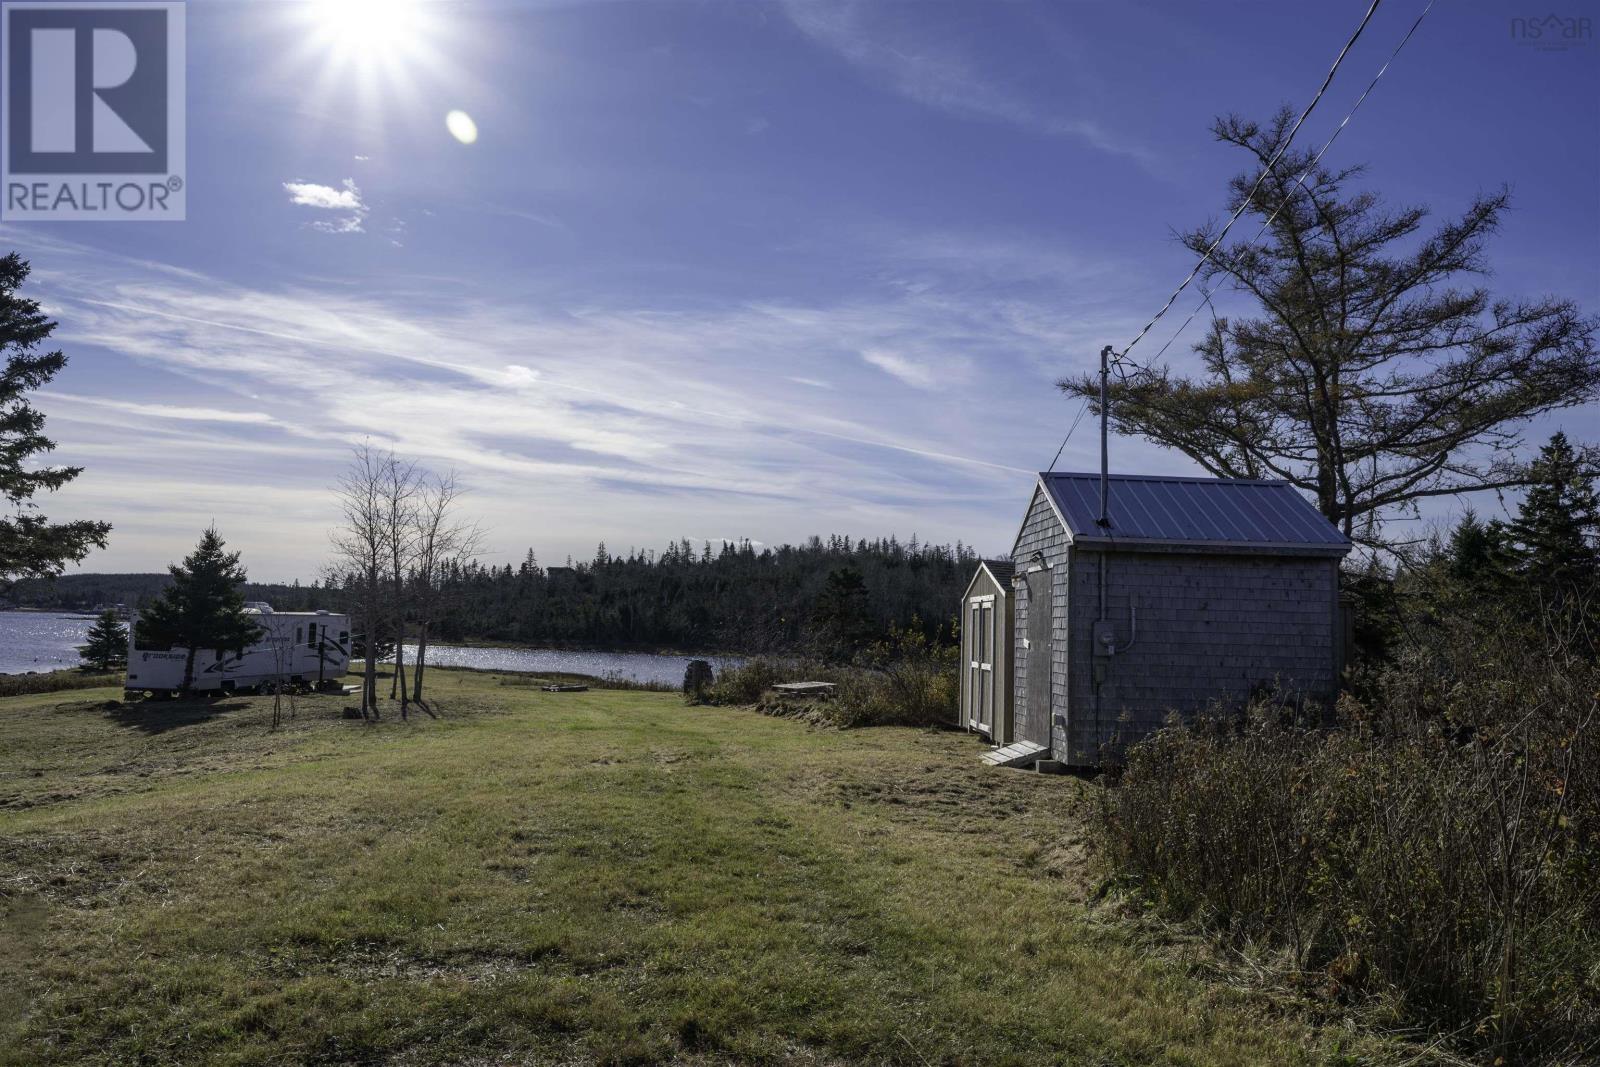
{"x":980,"y":667}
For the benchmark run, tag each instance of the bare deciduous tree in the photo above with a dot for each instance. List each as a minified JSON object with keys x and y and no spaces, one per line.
{"x":402,"y":479}
{"x":442,"y":542}
{"x":361,"y":546}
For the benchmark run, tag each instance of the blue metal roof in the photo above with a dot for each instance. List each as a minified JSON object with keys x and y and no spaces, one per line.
{"x":1200,"y":512}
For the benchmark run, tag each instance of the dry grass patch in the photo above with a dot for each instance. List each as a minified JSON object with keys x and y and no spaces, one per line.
{"x":600,"y":877}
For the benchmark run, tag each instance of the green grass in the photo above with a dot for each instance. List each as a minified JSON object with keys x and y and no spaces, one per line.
{"x":600,"y":877}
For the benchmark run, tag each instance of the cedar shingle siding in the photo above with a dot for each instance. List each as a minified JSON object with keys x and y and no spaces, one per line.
{"x":1215,"y":622}
{"x":1210,"y":628}
{"x":1043,"y":533}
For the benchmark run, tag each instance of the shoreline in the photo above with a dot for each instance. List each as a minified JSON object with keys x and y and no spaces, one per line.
{"x":509,"y":646}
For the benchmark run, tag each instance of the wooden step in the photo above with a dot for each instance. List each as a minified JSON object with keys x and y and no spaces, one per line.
{"x":1016,"y":754}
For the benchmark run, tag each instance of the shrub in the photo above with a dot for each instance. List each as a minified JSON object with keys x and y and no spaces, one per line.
{"x":907,"y":680}
{"x":1442,"y":847}
{"x":744,"y":683}
{"x":12,"y":685}
{"x":903,"y":680}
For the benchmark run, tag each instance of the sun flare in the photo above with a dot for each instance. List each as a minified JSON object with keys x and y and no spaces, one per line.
{"x":370,"y":30}
{"x":461,"y":127}
{"x":376,"y":62}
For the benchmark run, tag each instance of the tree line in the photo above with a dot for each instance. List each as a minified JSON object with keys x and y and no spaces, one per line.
{"x":829,"y":596}
{"x":91,"y":592}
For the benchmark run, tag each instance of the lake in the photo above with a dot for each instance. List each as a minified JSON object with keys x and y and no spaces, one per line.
{"x":47,"y":641}
{"x":40,"y":640}
{"x":633,"y":666}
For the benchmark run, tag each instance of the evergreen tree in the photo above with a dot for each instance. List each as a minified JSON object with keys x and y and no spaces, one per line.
{"x":1555,"y":537}
{"x":107,"y":645}
{"x":202,"y":608}
{"x":30,"y":545}
{"x":1376,"y":374}
{"x":1477,"y":556}
{"x":841,"y":624}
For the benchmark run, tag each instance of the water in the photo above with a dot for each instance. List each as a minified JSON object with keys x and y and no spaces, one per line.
{"x":47,"y":641}
{"x":633,"y":666}
{"x":41,"y":640}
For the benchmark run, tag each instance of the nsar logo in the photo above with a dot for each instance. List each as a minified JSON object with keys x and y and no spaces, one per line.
{"x":92,"y":99}
{"x":1553,"y":33}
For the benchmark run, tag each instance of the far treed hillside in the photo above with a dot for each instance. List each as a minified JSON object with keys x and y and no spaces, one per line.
{"x":734,"y":598}
{"x":728,"y":598}
{"x":85,"y":592}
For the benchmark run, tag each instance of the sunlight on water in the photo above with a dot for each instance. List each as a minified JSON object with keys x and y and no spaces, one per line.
{"x":40,"y":641}
{"x":632,"y":666}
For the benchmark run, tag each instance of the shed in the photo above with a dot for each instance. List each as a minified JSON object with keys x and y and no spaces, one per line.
{"x":986,"y":643}
{"x":1197,"y":591}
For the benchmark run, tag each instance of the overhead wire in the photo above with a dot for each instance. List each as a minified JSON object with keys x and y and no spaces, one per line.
{"x":1083,"y":409}
{"x":1119,"y":357}
{"x":1316,"y":159}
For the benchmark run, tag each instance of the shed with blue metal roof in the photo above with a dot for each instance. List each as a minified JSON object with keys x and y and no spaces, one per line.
{"x":1189,"y":592}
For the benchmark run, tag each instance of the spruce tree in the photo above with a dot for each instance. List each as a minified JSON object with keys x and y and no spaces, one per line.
{"x":1476,"y":556}
{"x":107,"y":643}
{"x":30,"y":545}
{"x":202,"y":608}
{"x":841,"y":624}
{"x":1555,"y":537}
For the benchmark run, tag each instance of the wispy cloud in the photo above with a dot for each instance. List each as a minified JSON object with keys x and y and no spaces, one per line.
{"x":178,"y":412}
{"x":585,"y":420}
{"x":346,"y":198}
{"x":937,"y":73}
{"x":917,"y":375}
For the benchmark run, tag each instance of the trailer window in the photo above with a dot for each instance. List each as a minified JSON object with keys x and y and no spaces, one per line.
{"x":311,"y":636}
{"x":219,"y":655}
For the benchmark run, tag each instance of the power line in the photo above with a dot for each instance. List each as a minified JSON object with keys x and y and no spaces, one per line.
{"x":1082,"y":410}
{"x":1244,"y":203}
{"x":1301,"y":180}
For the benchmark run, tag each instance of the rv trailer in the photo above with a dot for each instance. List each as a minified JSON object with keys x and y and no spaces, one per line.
{"x":309,"y":648}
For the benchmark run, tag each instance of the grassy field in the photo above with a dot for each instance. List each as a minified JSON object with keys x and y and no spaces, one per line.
{"x":601,"y":877}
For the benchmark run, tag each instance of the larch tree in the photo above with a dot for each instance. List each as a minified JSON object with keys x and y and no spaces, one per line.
{"x":1378,"y":370}
{"x":203,"y":608}
{"x":31,"y":546}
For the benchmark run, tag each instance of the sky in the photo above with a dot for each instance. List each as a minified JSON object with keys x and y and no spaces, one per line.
{"x":723,"y":268}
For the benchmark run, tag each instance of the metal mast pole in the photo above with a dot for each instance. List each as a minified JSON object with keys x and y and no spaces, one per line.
{"x":1105,"y":463}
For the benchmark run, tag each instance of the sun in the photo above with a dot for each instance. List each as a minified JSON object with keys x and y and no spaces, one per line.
{"x":370,"y":32}
{"x":376,"y":63}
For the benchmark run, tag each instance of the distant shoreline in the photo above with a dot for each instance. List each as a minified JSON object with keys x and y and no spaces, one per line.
{"x":553,"y":646}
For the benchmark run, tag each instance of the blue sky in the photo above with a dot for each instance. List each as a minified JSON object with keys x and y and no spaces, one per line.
{"x":722,"y":269}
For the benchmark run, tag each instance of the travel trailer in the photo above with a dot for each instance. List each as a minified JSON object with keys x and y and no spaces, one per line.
{"x":309,"y":648}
